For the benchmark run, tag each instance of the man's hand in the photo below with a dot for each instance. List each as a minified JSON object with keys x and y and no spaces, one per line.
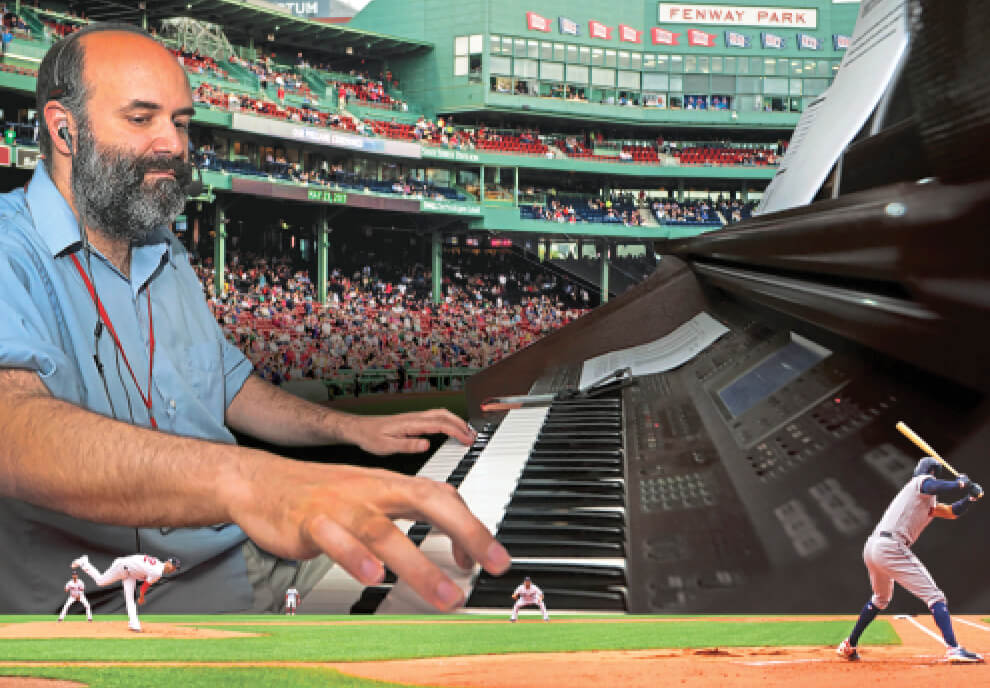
{"x":140,"y":599}
{"x":298,"y":510}
{"x":404,"y":432}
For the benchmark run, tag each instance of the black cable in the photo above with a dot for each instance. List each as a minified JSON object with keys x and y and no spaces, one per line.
{"x":116,"y":358}
{"x":98,"y":330}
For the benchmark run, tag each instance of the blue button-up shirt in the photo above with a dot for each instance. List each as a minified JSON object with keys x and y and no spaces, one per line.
{"x":47,"y":321}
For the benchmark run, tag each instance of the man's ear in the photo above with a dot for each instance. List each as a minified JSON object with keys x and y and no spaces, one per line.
{"x":61,"y":127}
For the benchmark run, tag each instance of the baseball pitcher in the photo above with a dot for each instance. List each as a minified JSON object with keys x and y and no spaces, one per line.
{"x":77,"y":593}
{"x":528,"y":594}
{"x":129,"y":570}
{"x":889,"y":558}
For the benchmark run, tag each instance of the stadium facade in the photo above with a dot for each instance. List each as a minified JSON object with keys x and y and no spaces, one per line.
{"x":579,"y":58}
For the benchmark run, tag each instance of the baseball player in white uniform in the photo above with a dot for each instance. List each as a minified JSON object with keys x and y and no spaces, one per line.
{"x":291,"y":601}
{"x":129,"y":570}
{"x":889,"y":558}
{"x":77,"y":593}
{"x":528,"y":594}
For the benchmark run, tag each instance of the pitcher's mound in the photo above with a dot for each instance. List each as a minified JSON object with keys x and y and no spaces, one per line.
{"x":111,"y":629}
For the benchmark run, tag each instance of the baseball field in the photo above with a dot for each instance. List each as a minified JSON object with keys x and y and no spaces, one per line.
{"x":480,"y":650}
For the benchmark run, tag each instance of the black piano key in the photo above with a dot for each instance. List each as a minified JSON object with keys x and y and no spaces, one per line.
{"x":576,"y":454}
{"x":574,"y":516}
{"x":577,"y":443}
{"x":558,"y":498}
{"x":550,"y":547}
{"x":557,"y":574}
{"x":571,"y":472}
{"x":370,"y":599}
{"x":596,"y":487}
{"x":580,"y":435}
{"x":565,"y":459}
{"x":569,"y":531}
{"x":418,"y":532}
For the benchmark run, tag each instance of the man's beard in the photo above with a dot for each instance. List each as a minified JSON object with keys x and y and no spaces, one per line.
{"x":112,"y":196}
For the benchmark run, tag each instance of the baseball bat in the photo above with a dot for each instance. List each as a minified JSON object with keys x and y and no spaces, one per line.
{"x":923,"y":446}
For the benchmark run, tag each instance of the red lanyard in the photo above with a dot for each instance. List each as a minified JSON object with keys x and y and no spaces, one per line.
{"x":106,"y":321}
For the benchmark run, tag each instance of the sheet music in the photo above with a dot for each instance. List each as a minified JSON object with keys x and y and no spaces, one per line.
{"x":831,"y":121}
{"x":666,"y":353}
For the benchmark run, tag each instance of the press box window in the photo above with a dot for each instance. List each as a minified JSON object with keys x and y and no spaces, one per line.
{"x":467,"y":55}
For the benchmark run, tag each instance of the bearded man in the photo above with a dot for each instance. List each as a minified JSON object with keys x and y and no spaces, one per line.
{"x":118,"y":390}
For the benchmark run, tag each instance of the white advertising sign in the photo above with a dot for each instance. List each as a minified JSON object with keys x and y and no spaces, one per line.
{"x":733,"y":15}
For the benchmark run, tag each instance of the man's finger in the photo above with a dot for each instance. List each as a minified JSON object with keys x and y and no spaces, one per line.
{"x":441,"y":505}
{"x":443,"y":421}
{"x":462,"y":558}
{"x":413,"y":445}
{"x":346,"y":551}
{"x":412,"y":566}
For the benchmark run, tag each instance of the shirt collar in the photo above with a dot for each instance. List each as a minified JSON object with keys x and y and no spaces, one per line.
{"x":58,"y":227}
{"x":53,"y":218}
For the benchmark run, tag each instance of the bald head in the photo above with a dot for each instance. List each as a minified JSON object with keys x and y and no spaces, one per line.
{"x":131,"y":65}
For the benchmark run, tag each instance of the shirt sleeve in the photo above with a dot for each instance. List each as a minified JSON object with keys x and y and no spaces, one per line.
{"x":26,"y":339}
{"x":237,"y":368}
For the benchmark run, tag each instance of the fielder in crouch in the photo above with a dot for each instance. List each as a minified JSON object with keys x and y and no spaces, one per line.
{"x":527,"y":594}
{"x":77,"y":593}
{"x":889,"y":558}
{"x":129,"y":570}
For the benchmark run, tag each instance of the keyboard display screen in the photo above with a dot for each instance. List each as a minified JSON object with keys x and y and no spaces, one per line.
{"x":769,"y":375}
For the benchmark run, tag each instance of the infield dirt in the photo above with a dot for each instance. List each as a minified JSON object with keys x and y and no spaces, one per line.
{"x":918,"y":661}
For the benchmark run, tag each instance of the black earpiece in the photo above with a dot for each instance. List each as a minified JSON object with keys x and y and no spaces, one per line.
{"x":63,"y":133}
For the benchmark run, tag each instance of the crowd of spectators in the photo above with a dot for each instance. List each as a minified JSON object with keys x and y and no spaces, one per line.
{"x":614,"y":209}
{"x":193,"y":61}
{"x":378,"y":318}
{"x":698,"y":212}
{"x":720,"y":211}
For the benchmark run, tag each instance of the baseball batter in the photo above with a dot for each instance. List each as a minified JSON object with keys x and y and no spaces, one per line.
{"x":528,"y":594}
{"x":129,"y":570}
{"x":291,"y":601}
{"x":889,"y":558}
{"x":77,"y":593}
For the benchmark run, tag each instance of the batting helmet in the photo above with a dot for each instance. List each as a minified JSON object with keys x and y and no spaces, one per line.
{"x":927,"y":466}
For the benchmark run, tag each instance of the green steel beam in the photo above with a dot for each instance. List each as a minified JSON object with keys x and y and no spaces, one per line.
{"x":219,"y":249}
{"x":437,"y":251}
{"x":605,"y":266}
{"x":322,"y":246}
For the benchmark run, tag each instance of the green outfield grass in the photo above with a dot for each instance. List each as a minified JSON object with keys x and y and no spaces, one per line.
{"x":357,"y":641}
{"x":199,"y":677}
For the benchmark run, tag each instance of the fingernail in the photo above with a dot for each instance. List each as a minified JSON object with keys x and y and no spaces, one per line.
{"x":497,"y":559}
{"x":370,"y":571}
{"x":449,"y":594}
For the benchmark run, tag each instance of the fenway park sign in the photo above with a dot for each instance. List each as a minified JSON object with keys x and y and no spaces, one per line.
{"x":733,"y":15}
